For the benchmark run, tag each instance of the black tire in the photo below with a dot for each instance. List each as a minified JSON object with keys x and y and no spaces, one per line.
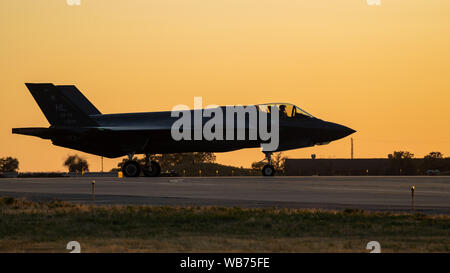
{"x":131,"y":169}
{"x":153,"y":170}
{"x":268,"y":170}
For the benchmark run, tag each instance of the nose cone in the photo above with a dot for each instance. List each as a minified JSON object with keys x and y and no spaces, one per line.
{"x":336,"y":131}
{"x":346,"y":131}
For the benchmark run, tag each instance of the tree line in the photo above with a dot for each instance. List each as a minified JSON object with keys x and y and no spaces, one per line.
{"x":403,"y":163}
{"x":203,"y":163}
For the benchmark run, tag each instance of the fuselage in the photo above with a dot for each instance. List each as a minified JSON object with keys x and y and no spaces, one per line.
{"x":77,"y":124}
{"x":120,"y":134}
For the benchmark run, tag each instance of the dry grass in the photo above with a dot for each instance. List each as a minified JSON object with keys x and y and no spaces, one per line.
{"x":47,"y":227}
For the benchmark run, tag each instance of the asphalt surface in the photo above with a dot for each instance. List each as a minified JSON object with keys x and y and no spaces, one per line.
{"x":377,"y":193}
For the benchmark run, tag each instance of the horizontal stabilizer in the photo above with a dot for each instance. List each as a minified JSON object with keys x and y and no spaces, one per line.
{"x":45,"y":133}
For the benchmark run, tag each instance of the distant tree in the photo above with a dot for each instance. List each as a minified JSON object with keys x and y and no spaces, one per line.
{"x":258,"y":165}
{"x":401,"y":155}
{"x":401,"y":162}
{"x":434,"y":155}
{"x":9,"y":164}
{"x":278,"y":161}
{"x":176,"y":161}
{"x":76,"y":163}
{"x":197,"y":157}
{"x":433,"y":160}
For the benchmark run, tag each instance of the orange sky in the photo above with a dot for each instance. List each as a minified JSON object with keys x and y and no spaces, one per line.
{"x":381,"y":70}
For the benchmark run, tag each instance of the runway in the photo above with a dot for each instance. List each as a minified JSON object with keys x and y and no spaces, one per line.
{"x":377,"y":193}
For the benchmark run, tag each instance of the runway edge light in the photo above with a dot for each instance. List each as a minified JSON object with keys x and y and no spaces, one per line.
{"x":413,"y":188}
{"x":93,"y":190}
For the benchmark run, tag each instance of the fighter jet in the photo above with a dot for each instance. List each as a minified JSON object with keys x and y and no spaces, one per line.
{"x":77,"y":124}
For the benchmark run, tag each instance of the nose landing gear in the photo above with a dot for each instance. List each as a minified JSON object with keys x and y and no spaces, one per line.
{"x":268,"y":170}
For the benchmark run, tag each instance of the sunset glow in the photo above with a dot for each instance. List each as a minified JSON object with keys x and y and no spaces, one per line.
{"x":381,"y":70}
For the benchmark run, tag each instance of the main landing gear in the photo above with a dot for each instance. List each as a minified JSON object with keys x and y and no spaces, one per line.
{"x":151,"y":168}
{"x":268,"y":170}
{"x":132,"y":168}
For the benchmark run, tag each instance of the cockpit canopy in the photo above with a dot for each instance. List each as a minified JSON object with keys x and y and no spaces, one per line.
{"x":286,"y":110}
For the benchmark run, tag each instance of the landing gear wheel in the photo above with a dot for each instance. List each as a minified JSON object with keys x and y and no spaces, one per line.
{"x":131,"y":169}
{"x":268,"y":170}
{"x":153,"y":170}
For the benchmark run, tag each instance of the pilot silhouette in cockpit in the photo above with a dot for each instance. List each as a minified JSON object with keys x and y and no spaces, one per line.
{"x":283,"y":113}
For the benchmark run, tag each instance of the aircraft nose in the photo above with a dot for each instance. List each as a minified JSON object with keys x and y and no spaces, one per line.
{"x":337,"y":131}
{"x":346,"y":131}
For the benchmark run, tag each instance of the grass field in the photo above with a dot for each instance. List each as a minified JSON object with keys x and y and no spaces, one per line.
{"x":47,"y":227}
